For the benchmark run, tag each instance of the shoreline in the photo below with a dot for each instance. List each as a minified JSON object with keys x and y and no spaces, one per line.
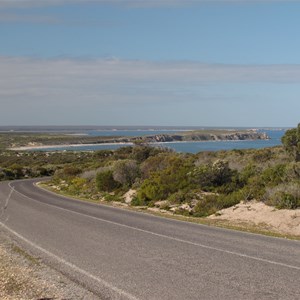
{"x":24,"y":148}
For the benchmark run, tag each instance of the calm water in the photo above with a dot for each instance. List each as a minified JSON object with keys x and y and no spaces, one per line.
{"x":188,"y":147}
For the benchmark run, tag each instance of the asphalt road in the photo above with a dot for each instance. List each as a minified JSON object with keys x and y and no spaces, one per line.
{"x":120,"y":254}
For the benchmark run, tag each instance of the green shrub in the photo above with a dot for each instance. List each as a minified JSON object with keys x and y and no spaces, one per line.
{"x":17,"y":170}
{"x":205,"y":206}
{"x":109,"y":197}
{"x":249,"y":171}
{"x":293,"y":171}
{"x":225,"y":201}
{"x":157,"y":163}
{"x":180,"y":197}
{"x":140,"y":153}
{"x":138,"y":201}
{"x":274,"y":175}
{"x":161,"y":184}
{"x":212,"y":175}
{"x":254,"y":189}
{"x":284,"y":196}
{"x":123,"y":152}
{"x":291,"y":142}
{"x":262,"y":155}
{"x":67,"y":172}
{"x":7,"y":174}
{"x":210,"y":204}
{"x":126,"y":172}
{"x":105,"y":181}
{"x":41,"y":171}
{"x":288,"y":201}
{"x":77,"y":186}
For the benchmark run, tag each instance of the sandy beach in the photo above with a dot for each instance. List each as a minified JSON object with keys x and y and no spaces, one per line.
{"x":36,"y":147}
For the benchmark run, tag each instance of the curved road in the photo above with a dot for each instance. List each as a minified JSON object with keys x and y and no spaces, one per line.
{"x":120,"y":254}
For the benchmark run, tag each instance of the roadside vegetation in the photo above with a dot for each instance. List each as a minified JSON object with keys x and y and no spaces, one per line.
{"x":188,"y":184}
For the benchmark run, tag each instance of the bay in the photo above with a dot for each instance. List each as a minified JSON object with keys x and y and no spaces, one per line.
{"x":186,"y":147}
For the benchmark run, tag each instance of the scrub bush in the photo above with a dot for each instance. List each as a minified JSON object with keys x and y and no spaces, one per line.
{"x":284,"y":196}
{"x":105,"y":181}
{"x":126,"y":172}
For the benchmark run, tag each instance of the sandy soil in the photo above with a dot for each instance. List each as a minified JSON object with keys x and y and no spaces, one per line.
{"x":129,"y":196}
{"x":282,"y":221}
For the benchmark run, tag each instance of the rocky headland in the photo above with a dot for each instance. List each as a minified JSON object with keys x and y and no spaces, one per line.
{"x":189,"y":136}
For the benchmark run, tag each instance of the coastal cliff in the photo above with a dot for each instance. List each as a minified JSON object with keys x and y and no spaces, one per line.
{"x":202,"y":136}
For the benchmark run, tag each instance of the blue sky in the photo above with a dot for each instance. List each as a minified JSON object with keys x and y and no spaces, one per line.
{"x":151,"y":62}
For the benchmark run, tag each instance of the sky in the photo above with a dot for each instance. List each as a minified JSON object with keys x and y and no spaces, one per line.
{"x":150,"y":62}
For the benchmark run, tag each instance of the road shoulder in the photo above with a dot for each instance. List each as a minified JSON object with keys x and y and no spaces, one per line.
{"x":23,"y":276}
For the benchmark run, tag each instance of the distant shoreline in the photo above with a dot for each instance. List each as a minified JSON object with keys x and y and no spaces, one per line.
{"x":24,"y":148}
{"x":77,"y":143}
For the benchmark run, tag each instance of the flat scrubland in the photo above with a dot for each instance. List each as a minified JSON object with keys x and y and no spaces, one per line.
{"x":19,"y":139}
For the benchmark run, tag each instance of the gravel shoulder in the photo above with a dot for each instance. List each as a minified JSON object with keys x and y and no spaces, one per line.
{"x":23,"y":276}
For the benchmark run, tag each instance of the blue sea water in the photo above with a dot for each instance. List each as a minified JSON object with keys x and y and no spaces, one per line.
{"x":187,"y":147}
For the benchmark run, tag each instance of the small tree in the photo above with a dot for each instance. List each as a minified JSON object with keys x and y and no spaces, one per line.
{"x":291,"y":142}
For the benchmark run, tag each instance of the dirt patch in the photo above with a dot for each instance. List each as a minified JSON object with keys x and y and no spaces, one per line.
{"x":129,"y":196}
{"x":284,"y":221}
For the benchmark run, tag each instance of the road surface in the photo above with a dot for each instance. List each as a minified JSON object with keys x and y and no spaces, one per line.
{"x":121,"y":254}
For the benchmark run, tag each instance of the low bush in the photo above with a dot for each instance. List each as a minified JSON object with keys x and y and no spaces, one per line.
{"x":139,"y":201}
{"x":180,"y":197}
{"x":125,"y":172}
{"x":105,"y":181}
{"x":206,"y":206}
{"x":212,"y":175}
{"x":162,"y":184}
{"x":210,"y":204}
{"x":283,"y":196}
{"x":273,"y":176}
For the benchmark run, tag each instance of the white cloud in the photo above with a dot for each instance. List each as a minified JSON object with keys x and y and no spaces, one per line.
{"x":81,"y":91}
{"x":118,"y":81}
